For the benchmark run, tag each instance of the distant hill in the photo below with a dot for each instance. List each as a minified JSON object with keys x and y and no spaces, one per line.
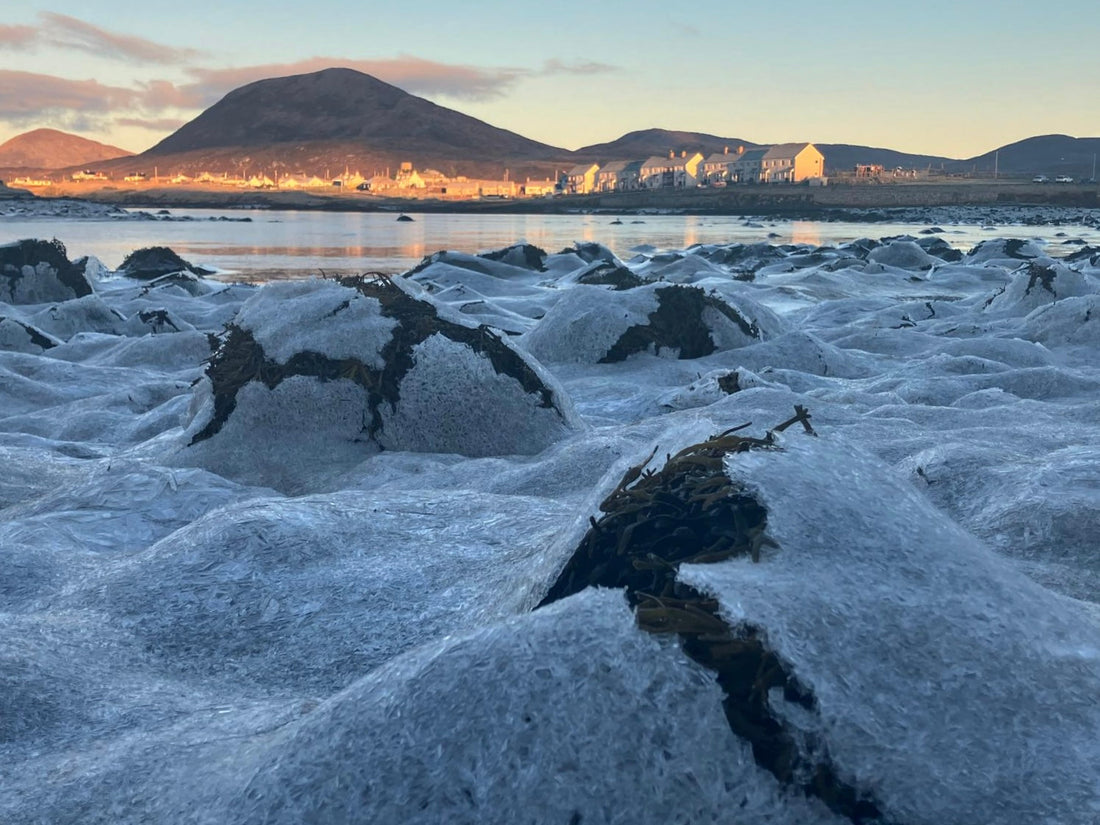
{"x":843,"y":157}
{"x":47,"y":149}
{"x":839,"y":157}
{"x":1050,"y":155}
{"x":339,"y":118}
{"x":648,"y":142}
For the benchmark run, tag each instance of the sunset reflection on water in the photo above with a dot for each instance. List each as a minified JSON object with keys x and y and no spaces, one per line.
{"x":275,"y":245}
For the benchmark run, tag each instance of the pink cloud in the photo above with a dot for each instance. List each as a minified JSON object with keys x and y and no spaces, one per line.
{"x":413,"y":74}
{"x":69,"y":32}
{"x":17,"y":37}
{"x":25,"y":96}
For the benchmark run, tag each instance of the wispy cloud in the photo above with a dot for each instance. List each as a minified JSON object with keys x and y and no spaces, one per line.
{"x":162,"y":124}
{"x":17,"y":37}
{"x":26,"y":95}
{"x":586,"y":67}
{"x":72,"y":33}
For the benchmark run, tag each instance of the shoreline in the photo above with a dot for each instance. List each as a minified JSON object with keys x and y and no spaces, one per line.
{"x":786,"y":200}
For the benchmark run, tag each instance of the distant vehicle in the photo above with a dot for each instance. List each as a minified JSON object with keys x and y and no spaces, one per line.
{"x":1040,"y":179}
{"x":363,"y":187}
{"x":1063,"y":179}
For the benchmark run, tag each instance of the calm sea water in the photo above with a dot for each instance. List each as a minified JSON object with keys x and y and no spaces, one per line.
{"x":277,"y":245}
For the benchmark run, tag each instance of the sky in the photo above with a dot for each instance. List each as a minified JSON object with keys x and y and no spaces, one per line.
{"x":955,"y":79}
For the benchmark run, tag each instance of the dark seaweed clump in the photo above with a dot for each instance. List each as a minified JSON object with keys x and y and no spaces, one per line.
{"x":240,"y":358}
{"x":1040,"y":275}
{"x":525,"y":255}
{"x":155,"y":261}
{"x":32,"y":252}
{"x":690,"y":511}
{"x":677,"y":323}
{"x":605,"y":273}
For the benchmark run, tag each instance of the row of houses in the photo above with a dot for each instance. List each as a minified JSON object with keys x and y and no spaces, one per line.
{"x":783,"y":163}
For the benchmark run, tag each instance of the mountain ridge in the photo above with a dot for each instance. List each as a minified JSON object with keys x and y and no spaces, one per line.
{"x":339,"y":118}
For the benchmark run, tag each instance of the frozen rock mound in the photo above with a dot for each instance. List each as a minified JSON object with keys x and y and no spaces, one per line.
{"x":314,"y":376}
{"x":19,"y":336}
{"x":594,"y":325}
{"x":154,"y":262}
{"x":1039,"y":283}
{"x":39,"y":272}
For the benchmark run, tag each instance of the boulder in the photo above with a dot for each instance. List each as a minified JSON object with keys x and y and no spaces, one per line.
{"x":154,"y":261}
{"x":314,"y":376}
{"x":593,"y":325}
{"x":38,"y":272}
{"x":19,"y":336}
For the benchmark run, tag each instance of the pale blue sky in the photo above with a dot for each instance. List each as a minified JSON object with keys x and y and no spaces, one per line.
{"x":951,"y":78}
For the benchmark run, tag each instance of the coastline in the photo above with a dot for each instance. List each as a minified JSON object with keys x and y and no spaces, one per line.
{"x":788,"y":200}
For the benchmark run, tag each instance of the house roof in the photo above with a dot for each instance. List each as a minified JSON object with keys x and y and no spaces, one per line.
{"x":785,"y":151}
{"x":753,"y":155}
{"x":582,"y":170}
{"x":661,"y":162}
{"x":614,"y":166}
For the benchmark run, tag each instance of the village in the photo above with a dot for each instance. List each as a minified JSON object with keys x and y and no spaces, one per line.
{"x":783,"y":163}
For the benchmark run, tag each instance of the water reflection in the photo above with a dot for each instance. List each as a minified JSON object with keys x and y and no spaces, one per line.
{"x":293,"y":244}
{"x":691,"y":225}
{"x":808,"y":232}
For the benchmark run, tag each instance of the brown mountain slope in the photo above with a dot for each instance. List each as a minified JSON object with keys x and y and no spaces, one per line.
{"x":341,"y":105}
{"x":45,"y":149}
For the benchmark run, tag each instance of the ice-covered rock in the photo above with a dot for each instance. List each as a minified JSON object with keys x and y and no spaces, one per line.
{"x":154,"y":262}
{"x":88,"y":314}
{"x":902,"y":254}
{"x":1003,"y":252}
{"x":594,"y":325}
{"x":19,"y":336}
{"x":1041,"y":282}
{"x":314,"y":376}
{"x":39,"y":272}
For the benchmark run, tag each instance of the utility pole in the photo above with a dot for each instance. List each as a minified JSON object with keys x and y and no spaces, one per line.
{"x":996,"y":163}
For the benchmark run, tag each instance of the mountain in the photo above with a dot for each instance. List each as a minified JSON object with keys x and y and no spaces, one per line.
{"x":339,"y":118}
{"x":1044,"y":154}
{"x":46,"y":149}
{"x":648,"y":142}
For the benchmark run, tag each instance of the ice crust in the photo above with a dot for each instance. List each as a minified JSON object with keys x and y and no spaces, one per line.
{"x":323,"y":627}
{"x":921,"y":646}
{"x":284,"y":316}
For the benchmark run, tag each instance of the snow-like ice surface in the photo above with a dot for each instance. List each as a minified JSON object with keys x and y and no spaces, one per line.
{"x":297,"y":621}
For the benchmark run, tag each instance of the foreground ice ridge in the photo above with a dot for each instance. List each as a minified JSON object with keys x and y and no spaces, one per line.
{"x":690,"y":512}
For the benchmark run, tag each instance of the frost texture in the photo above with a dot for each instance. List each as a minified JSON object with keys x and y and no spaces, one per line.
{"x":189,"y":644}
{"x":953,"y":684}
